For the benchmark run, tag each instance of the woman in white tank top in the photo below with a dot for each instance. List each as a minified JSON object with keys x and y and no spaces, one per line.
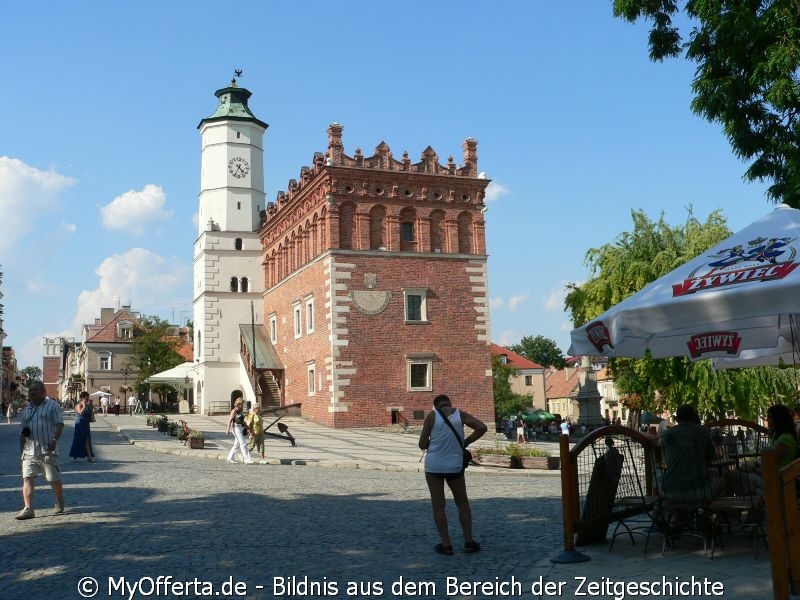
{"x":444,"y":463}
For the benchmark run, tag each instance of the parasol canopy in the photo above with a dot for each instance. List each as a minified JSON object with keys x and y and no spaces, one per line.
{"x":738,"y":298}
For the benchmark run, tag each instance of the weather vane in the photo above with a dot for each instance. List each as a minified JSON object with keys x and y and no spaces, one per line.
{"x":237,"y":73}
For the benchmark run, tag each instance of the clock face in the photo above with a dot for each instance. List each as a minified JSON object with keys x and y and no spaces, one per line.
{"x":238,"y":167}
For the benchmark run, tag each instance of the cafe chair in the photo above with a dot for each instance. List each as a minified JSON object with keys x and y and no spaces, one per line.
{"x":685,"y":493}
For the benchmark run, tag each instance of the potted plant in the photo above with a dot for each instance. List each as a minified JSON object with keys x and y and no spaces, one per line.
{"x":197,"y":439}
{"x":162,"y":424}
{"x":517,"y":456}
{"x":173,"y":428}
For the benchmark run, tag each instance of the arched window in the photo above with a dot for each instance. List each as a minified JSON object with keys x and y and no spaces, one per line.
{"x":237,"y":244}
{"x":234,"y":284}
{"x":377,"y":226}
{"x":408,"y":229}
{"x":244,"y":284}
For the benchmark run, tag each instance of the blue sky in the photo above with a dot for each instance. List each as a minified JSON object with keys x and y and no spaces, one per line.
{"x":99,"y":148}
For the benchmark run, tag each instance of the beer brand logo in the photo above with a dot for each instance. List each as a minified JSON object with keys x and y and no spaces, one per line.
{"x":714,"y":341}
{"x":739,"y":265}
{"x":598,"y":335}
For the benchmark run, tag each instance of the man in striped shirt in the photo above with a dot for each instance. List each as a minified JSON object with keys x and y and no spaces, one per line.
{"x":42,"y":424}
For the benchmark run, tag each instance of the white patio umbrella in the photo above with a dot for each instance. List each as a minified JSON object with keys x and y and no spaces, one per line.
{"x":741,"y":296}
{"x":99,"y":394}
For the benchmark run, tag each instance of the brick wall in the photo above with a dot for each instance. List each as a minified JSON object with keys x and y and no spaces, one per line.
{"x":362,"y":356}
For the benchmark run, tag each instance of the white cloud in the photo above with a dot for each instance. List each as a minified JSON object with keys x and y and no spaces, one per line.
{"x":496,"y":302}
{"x":26,"y":196}
{"x":134,"y":210}
{"x":495,"y":190}
{"x":141,"y":278}
{"x":507,"y":337}
{"x":554,"y":299}
{"x":516,"y":301}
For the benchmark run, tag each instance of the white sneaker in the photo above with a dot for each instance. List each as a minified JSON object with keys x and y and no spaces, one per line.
{"x":231,"y":461}
{"x":25,"y":513}
{"x":263,"y":461}
{"x":250,"y":462}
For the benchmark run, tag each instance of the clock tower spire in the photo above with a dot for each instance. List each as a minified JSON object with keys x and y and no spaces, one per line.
{"x":228,"y":277}
{"x":232,"y":164}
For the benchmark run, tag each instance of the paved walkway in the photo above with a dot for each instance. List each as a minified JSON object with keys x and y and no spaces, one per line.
{"x":152,"y":506}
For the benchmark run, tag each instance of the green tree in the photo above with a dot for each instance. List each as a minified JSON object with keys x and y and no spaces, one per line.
{"x":747,"y":78}
{"x":619,"y":269}
{"x":32,"y":373}
{"x":506,"y":402}
{"x":154,"y":347}
{"x":540,"y":350}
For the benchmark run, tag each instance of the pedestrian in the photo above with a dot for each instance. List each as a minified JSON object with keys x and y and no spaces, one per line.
{"x":256,"y":424}
{"x":42,"y":424}
{"x":9,"y":413}
{"x":82,"y":435}
{"x":116,"y":405}
{"x":564,"y":427}
{"x":444,"y":462}
{"x":520,"y":430}
{"x":104,"y":405}
{"x":239,"y":427}
{"x":782,"y":433}
{"x":510,"y":428}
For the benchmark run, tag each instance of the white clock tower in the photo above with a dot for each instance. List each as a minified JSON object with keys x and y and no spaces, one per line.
{"x":228,"y":278}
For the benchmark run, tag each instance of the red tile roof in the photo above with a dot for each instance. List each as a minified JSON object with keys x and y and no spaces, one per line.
{"x":512,"y":358}
{"x":108,"y":332}
{"x":562,"y":383}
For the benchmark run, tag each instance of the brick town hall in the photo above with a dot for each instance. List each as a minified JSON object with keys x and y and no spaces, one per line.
{"x":360,"y":292}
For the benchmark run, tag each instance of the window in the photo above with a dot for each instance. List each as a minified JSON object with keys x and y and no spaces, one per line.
{"x":419,"y":375}
{"x":529,"y":380}
{"x":237,"y":244}
{"x":416,"y":305}
{"x":244,"y":284}
{"x":310,"y":315}
{"x":407,"y":232}
{"x":234,"y":284}
{"x":298,"y":329}
{"x":104,"y":363}
{"x":312,"y":379}
{"x":273,"y":328}
{"x":125,"y":330}
{"x":503,"y":359}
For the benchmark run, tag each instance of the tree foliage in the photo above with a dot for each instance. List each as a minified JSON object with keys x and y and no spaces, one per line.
{"x":506,"y":402}
{"x":747,"y":78}
{"x":32,"y":373}
{"x":636,"y":258}
{"x":154,"y":347}
{"x":540,"y":350}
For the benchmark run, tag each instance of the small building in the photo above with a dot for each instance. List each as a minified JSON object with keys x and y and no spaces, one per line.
{"x":529,"y":379}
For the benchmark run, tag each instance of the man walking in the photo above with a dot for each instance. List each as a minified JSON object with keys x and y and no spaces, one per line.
{"x":42,"y":424}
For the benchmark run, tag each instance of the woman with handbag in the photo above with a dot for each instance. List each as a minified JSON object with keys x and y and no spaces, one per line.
{"x":443,"y":437}
{"x":82,"y":436}
{"x":238,"y":426}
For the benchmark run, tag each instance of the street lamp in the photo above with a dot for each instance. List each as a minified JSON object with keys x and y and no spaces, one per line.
{"x":125,"y":372}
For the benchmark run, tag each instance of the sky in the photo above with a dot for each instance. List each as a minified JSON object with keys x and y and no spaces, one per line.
{"x":100,"y":152}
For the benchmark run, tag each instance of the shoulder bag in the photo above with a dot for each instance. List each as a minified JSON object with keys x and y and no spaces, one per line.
{"x":466,"y":454}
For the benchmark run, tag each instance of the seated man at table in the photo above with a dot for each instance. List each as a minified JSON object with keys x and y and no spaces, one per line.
{"x":688,"y":452}
{"x":685,"y":481}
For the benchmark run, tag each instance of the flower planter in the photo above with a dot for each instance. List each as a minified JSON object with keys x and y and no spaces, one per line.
{"x":197,"y":443}
{"x":533,"y":462}
{"x":495,"y":460}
